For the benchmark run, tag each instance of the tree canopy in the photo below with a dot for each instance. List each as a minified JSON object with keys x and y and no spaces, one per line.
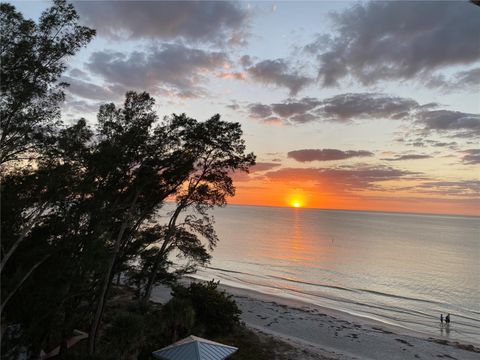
{"x":80,"y":203}
{"x":33,"y":57}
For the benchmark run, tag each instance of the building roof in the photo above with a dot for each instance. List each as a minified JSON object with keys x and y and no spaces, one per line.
{"x":195,"y":348}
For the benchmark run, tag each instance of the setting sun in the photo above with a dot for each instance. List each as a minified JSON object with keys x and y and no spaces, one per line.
{"x":296,"y":199}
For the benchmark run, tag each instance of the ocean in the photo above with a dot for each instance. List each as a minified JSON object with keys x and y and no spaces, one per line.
{"x":400,"y":269}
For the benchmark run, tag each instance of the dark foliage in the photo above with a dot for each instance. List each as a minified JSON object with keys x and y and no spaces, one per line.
{"x":80,"y":204}
{"x":214,"y":310}
{"x":32,"y":60}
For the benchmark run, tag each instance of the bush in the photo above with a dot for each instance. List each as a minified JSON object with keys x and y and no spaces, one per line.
{"x":178,"y":318}
{"x":215,"y":311}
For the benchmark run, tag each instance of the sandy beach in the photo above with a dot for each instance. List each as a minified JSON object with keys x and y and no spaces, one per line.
{"x":321,"y":333}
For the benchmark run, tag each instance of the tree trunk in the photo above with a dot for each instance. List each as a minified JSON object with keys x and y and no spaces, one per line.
{"x":153,"y":274}
{"x":108,"y":277}
{"x":158,"y":258}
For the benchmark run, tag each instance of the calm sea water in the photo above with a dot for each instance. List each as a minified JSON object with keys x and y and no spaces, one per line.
{"x":401,"y":269}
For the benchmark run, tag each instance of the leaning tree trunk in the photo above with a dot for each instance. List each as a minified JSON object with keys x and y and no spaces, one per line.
{"x":153,"y":274}
{"x":108,"y":276}
{"x":160,"y":254}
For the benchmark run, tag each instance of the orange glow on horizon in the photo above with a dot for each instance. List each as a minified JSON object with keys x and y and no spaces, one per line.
{"x":282,"y":194}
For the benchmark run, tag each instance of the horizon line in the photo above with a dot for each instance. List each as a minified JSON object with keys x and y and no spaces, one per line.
{"x":358,"y":210}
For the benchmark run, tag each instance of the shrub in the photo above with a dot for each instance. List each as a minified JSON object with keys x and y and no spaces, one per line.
{"x":215,"y":311}
{"x":178,"y":318}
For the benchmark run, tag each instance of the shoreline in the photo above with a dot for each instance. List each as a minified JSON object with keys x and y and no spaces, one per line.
{"x":443,"y":333}
{"x":303,"y":305}
{"x":332,"y":333}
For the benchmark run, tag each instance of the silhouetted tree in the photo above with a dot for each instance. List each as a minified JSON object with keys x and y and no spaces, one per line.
{"x":32,"y":60}
{"x":137,"y":165}
{"x":81,"y":204}
{"x":219,"y":150}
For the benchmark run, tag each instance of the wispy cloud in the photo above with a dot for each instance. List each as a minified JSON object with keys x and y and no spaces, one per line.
{"x":461,"y":80}
{"x":342,"y":178}
{"x":471,"y":156}
{"x":409,"y":157}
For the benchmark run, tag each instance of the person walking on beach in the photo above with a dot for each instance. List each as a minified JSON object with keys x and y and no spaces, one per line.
{"x":447,"y":319}
{"x":441,"y":319}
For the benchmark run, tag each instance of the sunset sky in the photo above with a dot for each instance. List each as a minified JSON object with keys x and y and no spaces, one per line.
{"x":347,"y":105}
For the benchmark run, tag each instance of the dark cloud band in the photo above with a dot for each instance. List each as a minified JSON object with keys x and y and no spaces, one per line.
{"x":308,"y":155}
{"x":194,"y":21}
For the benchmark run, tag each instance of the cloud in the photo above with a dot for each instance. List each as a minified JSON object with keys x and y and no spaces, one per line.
{"x":303,"y":118}
{"x":462,"y":80}
{"x":246,"y":61}
{"x":258,"y":167}
{"x":341,"y":178}
{"x":458,"y":123}
{"x":259,"y":110}
{"x":471,"y":156}
{"x":171,"y":68}
{"x":450,"y":144}
{"x":467,"y":188}
{"x":423,"y":142}
{"x":397,"y":40}
{"x":78,"y":73}
{"x":263,"y":166}
{"x":272,"y":120}
{"x":277,"y":72}
{"x":307,"y":155}
{"x":346,"y":107}
{"x":469,"y":77}
{"x":75,"y":107}
{"x":299,"y":107}
{"x":232,"y":75}
{"x":409,"y":157}
{"x":233,"y":105}
{"x":194,"y":21}
{"x":342,"y":108}
{"x":88,"y":90}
